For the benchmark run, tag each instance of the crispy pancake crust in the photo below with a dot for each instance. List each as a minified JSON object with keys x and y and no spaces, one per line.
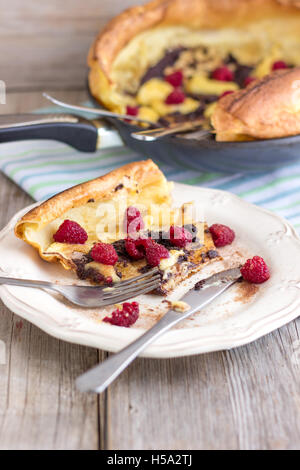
{"x":128,"y":46}
{"x":267,"y":108}
{"x":132,"y":177}
{"x":199,"y":14}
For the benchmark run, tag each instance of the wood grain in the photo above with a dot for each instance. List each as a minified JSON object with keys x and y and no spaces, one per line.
{"x":39,"y":405}
{"x":243,"y":399}
{"x":45,"y":44}
{"x":246,"y":398}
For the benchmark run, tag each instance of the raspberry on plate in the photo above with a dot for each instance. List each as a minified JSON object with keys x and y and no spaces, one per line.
{"x":134,"y":220}
{"x":70,"y":232}
{"x":221,"y":234}
{"x":155,"y":252}
{"x":179,"y":236}
{"x":175,"y":97}
{"x":104,"y":253}
{"x":125,"y":317}
{"x":223,"y":74}
{"x":175,"y":79}
{"x":255,"y":270}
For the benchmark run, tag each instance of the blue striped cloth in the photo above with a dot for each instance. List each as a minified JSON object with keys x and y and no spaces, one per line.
{"x":43,"y":168}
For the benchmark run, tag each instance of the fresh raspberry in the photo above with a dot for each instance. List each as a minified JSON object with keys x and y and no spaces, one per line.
{"x":248,"y":80}
{"x":132,"y":110}
{"x":255,"y":270}
{"x":228,"y":92}
{"x":179,"y":236}
{"x":175,"y":97}
{"x":145,"y":242}
{"x":134,"y":220}
{"x":125,"y":317}
{"x":155,"y":252}
{"x":221,"y":234}
{"x":175,"y":79}
{"x":70,"y":232}
{"x":223,"y":74}
{"x":104,"y":253}
{"x":137,"y":248}
{"x":133,"y":250}
{"x":279,"y":64}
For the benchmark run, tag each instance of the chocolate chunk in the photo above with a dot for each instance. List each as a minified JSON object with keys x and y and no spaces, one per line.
{"x":212,"y":254}
{"x":119,"y":246}
{"x":241,"y":73}
{"x":91,"y":200}
{"x":120,"y":186}
{"x":199,"y":285}
{"x":145,"y":269}
{"x":157,"y":70}
{"x":230,"y":59}
{"x":193,"y":230}
{"x":182,"y":258}
{"x":163,"y":237}
{"x":179,"y":117}
{"x":89,"y":273}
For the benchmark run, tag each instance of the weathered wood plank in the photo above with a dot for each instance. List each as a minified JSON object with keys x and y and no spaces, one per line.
{"x":19,"y":102}
{"x":247,"y":398}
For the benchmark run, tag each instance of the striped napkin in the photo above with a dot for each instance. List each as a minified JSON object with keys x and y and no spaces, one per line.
{"x":44,"y":168}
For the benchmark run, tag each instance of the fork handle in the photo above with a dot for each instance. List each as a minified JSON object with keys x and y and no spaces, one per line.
{"x":101,"y":376}
{"x":12,"y":281}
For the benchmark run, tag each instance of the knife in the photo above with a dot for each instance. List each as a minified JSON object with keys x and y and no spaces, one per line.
{"x":83,"y":134}
{"x":101,"y":376}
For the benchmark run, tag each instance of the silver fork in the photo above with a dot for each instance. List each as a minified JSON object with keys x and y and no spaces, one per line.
{"x":98,"y":111}
{"x":151,"y":135}
{"x":96,"y":296}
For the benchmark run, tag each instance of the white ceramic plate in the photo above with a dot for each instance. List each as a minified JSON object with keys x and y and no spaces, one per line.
{"x":244,"y":313}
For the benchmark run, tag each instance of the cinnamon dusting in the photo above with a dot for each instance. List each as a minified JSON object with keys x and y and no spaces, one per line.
{"x":245,"y":292}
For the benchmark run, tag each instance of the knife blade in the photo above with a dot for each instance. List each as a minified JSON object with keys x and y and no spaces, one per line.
{"x":211,"y":288}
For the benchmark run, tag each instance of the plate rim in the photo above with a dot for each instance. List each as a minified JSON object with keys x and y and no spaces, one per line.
{"x":268,"y":324}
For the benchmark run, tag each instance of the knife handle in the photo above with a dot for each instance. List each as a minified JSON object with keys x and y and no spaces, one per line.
{"x":80,"y":133}
{"x":101,"y":376}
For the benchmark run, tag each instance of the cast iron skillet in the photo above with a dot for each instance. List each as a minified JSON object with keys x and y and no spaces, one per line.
{"x":209,"y":155}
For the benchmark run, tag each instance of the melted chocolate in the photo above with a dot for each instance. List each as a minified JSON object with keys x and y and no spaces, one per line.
{"x":90,"y":273}
{"x":157,"y":70}
{"x":241,"y":72}
{"x":199,"y":285}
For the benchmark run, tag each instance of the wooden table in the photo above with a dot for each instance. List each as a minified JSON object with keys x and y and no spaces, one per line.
{"x":246,"y":398}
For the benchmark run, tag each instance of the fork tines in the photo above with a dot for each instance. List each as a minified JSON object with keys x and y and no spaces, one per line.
{"x":132,"y":287}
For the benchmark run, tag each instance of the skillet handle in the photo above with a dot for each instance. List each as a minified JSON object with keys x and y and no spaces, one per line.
{"x":80,"y":133}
